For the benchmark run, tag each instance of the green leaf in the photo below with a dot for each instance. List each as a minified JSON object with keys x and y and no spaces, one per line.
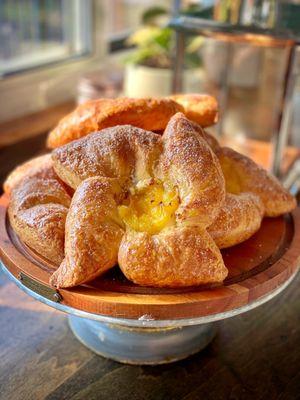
{"x":164,"y":38}
{"x":152,"y":13}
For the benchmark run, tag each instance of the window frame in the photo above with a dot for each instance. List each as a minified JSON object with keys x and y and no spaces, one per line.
{"x":43,"y":86}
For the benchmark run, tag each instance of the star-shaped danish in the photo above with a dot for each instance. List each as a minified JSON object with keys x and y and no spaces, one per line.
{"x":143,"y":201}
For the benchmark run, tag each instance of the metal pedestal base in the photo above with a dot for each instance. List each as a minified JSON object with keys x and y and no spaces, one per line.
{"x":141,"y":345}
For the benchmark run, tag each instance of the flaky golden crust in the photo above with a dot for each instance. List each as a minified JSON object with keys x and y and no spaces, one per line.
{"x":120,"y":152}
{"x":244,"y":175}
{"x":208,"y":137}
{"x":93,"y":233}
{"x":94,"y":115}
{"x":240,"y":217}
{"x":251,"y":194}
{"x":220,"y":195}
{"x":94,"y":228}
{"x":200,"y":108}
{"x":39,"y":166}
{"x":37,"y":211}
{"x":183,"y":256}
{"x":191,"y":165}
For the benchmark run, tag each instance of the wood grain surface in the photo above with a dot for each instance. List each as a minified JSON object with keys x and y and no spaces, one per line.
{"x":254,"y":356}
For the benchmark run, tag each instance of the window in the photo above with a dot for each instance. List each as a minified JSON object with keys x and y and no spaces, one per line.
{"x":40,"y":32}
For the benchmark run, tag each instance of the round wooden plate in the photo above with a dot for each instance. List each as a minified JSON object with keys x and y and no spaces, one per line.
{"x":256,"y":267}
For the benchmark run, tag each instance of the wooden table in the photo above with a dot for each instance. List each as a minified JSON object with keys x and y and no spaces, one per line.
{"x":254,"y":356}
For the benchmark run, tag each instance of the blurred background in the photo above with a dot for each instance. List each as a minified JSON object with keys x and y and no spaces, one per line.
{"x":56,"y":53}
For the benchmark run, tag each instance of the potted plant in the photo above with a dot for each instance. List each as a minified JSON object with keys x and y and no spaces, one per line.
{"x":148,"y":69}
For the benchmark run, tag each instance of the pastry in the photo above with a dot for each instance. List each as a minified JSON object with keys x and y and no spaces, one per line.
{"x":150,"y":114}
{"x":119,"y":152}
{"x":94,"y":115}
{"x":145,"y":201}
{"x":39,"y":166}
{"x":200,"y":108}
{"x":93,"y":233}
{"x":252,"y":193}
{"x":243,"y":175}
{"x":239,"y":218}
{"x":159,"y":205}
{"x":38,"y":208}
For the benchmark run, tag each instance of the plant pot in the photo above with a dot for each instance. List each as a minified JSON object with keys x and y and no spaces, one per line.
{"x":142,"y":81}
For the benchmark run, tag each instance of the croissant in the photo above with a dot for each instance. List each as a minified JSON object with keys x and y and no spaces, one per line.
{"x":144,"y":201}
{"x":200,"y":108}
{"x":38,"y":207}
{"x":243,"y":175}
{"x":160,"y":206}
{"x":39,"y":166}
{"x":148,"y":114}
{"x":239,"y":218}
{"x":251,"y":194}
{"x":94,"y":115}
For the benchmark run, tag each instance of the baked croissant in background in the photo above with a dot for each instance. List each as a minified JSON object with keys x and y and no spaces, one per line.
{"x":151,"y":114}
{"x":159,"y":205}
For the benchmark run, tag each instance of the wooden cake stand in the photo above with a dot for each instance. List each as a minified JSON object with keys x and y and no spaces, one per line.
{"x":142,"y":325}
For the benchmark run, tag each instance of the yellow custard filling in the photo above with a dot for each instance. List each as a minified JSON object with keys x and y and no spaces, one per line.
{"x":232,"y":180}
{"x":150,"y":207}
